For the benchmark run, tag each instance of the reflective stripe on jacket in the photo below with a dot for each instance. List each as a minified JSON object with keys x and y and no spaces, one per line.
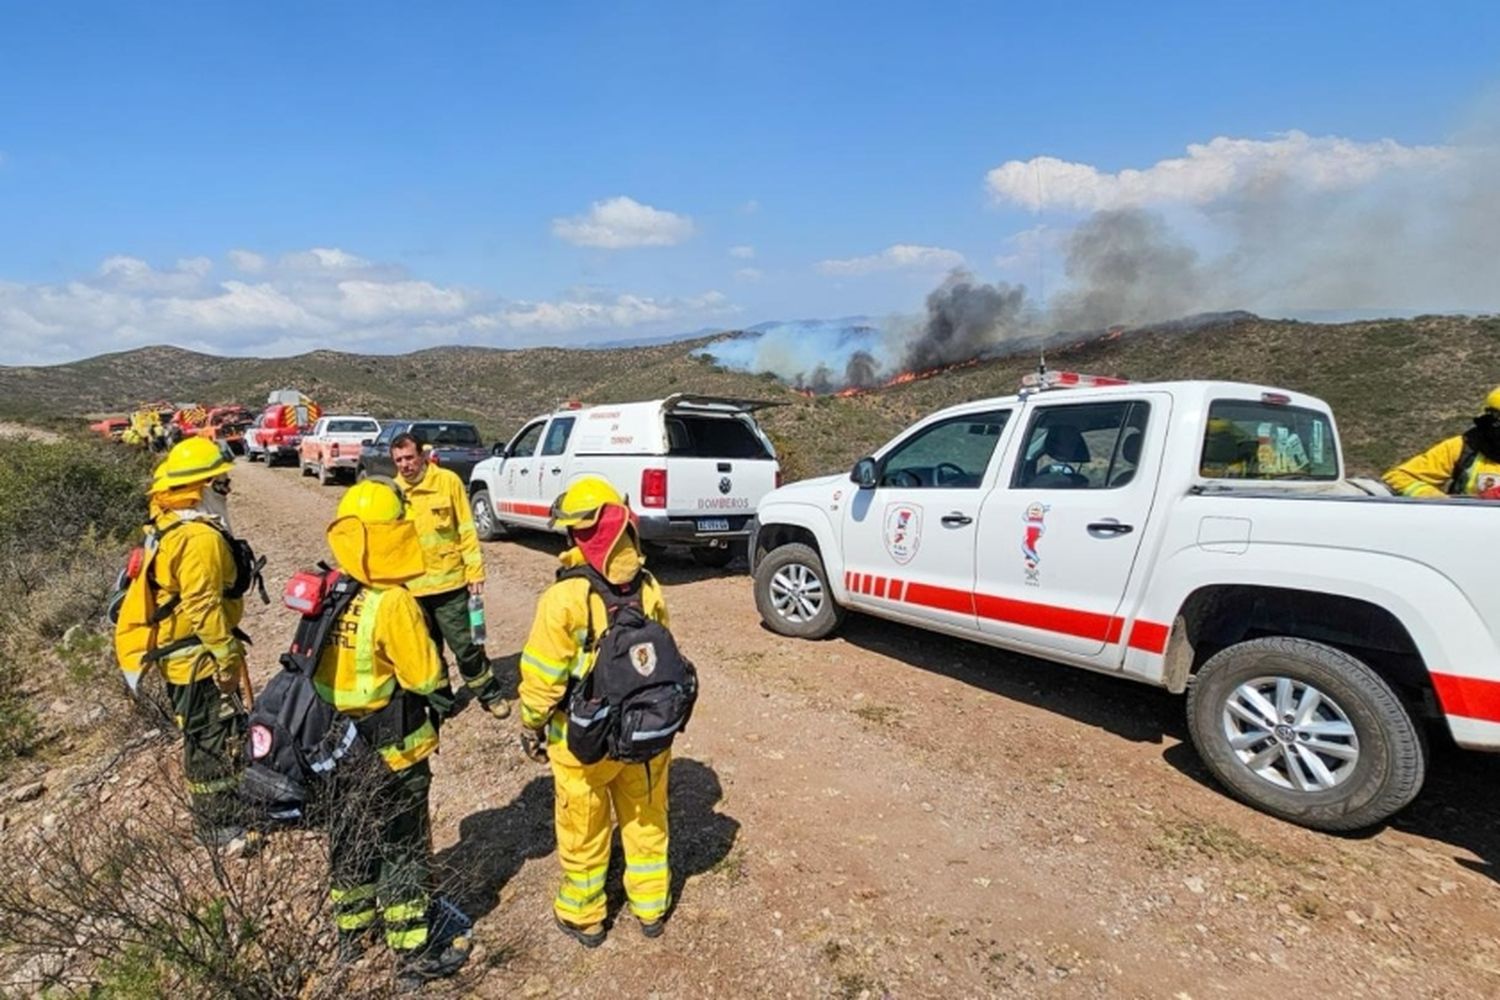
{"x":1428,"y":474}
{"x":194,"y":566}
{"x":557,"y":649}
{"x":381,"y":642}
{"x":439,"y":507}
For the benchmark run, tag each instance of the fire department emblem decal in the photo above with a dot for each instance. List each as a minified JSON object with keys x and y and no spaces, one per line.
{"x":643,"y":658}
{"x":1035,"y":521}
{"x":903,"y":531}
{"x":725,"y":486}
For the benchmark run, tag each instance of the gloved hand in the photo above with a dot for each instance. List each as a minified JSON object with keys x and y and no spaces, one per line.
{"x":534,"y":744}
{"x":227,"y":671}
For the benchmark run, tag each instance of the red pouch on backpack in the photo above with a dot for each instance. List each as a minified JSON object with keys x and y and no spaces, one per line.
{"x":306,"y":590}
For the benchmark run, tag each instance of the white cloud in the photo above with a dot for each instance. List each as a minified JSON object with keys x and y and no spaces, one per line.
{"x":305,"y":300}
{"x":246,"y":261}
{"x":1210,"y":171}
{"x":618,"y":223}
{"x":742,"y":252}
{"x":898,"y":257}
{"x":748,"y":274}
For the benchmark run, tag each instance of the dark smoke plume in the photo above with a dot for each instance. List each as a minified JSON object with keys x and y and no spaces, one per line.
{"x":862,"y":371}
{"x":965,"y":318}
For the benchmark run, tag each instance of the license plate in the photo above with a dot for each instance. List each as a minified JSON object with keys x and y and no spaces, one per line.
{"x":713,"y":524}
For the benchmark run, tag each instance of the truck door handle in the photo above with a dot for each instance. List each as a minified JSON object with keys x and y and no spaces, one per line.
{"x":525,"y":472}
{"x":956,"y":519}
{"x":1110,"y":526}
{"x":557,"y":470}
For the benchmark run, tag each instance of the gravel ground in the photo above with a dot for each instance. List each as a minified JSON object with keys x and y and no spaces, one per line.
{"x":894,"y":813}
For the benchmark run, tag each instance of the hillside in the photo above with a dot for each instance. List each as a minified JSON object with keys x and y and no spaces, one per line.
{"x":1395,"y":385}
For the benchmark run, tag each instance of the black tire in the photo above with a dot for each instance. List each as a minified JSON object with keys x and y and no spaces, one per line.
{"x":306,"y":469}
{"x":1391,"y":757}
{"x":326,"y":476}
{"x":484,"y":514}
{"x":799,"y":559}
{"x":712,"y":558}
{"x":251,"y":456}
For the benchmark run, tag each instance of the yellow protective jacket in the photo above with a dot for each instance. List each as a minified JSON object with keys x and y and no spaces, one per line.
{"x":381,"y":643}
{"x":193,"y":566}
{"x":556,"y":650}
{"x":439,"y":507}
{"x":1428,"y":474}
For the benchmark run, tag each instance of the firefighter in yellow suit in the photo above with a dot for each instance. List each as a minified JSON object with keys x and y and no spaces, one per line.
{"x":380,"y":653}
{"x":590,"y":798}
{"x":177,"y":616}
{"x":1467,"y":464}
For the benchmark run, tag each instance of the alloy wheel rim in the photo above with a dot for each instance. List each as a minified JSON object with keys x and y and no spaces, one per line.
{"x":1291,"y":734}
{"x":797,"y":593}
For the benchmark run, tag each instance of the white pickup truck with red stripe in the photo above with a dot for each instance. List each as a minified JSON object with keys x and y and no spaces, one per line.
{"x":1197,"y":536}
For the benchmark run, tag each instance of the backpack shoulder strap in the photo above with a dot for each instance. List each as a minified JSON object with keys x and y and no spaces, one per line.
{"x":613,"y":597}
{"x":312,"y":633}
{"x":1466,"y":459}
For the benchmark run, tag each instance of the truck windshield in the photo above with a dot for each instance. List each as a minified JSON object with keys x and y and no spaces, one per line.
{"x":1245,"y":439}
{"x":691,"y":436}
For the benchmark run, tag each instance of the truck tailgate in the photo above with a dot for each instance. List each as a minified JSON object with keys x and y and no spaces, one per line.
{"x":717,"y":487}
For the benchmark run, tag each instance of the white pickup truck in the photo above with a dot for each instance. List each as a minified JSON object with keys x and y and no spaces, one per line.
{"x":692,"y":467}
{"x":1197,"y":536}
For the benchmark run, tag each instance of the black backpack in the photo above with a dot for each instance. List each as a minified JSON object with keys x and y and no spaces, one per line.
{"x":294,"y":739}
{"x":641,"y":691}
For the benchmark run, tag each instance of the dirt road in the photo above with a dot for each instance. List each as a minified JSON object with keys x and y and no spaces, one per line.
{"x":896,"y":813}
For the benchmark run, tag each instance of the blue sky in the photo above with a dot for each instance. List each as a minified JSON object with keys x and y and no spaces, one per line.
{"x":574,"y":172}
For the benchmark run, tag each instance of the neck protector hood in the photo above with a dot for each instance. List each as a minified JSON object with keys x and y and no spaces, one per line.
{"x":1484,"y":436}
{"x":611,"y":545}
{"x":378,"y":555}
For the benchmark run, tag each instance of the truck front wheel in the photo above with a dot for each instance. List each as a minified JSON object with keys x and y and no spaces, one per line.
{"x":792,"y":593}
{"x":486,"y":525}
{"x":1306,"y":732}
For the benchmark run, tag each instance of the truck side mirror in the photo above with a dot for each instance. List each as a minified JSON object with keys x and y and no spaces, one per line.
{"x":367,"y":442}
{"x":498,"y":449}
{"x":865,"y":474}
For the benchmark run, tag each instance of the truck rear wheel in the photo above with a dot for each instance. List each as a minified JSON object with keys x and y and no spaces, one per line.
{"x":325,"y":475}
{"x":1306,"y":732}
{"x":792,"y":593}
{"x":486,"y":525}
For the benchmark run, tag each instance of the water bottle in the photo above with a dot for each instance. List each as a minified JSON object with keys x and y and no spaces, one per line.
{"x":476,"y":619}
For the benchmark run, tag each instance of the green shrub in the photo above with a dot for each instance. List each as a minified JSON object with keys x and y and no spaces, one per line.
{"x":54,"y":494}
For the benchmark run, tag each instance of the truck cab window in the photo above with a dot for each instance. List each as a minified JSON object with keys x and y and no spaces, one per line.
{"x":558,"y":433}
{"x":1083,"y":446}
{"x":1248,"y":439}
{"x":524,"y":445}
{"x":950,"y":454}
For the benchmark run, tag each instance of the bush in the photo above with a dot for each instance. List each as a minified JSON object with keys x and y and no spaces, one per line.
{"x":66,"y":509}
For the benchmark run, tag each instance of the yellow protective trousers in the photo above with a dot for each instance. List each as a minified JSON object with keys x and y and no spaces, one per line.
{"x":589,"y":799}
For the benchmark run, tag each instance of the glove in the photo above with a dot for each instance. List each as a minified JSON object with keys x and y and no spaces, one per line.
{"x":227,"y":671}
{"x":534,"y":744}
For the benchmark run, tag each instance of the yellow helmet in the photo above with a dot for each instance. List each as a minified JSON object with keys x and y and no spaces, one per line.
{"x":373,"y":502}
{"x":191,"y":460}
{"x":578,"y":506}
{"x":1492,"y":401}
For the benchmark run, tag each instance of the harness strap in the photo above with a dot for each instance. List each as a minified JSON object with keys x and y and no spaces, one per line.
{"x":1460,"y":478}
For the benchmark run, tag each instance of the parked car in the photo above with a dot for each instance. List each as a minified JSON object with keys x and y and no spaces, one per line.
{"x":333,"y":445}
{"x":693,"y":468}
{"x":453,"y":444}
{"x":1196,"y":536}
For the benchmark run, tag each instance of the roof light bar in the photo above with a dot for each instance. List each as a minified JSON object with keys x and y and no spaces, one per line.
{"x":1068,"y":380}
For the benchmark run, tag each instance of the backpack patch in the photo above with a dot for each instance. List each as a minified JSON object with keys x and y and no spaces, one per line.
{"x":641,"y":690}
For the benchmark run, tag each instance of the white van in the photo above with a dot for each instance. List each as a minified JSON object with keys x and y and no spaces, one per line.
{"x":692,"y":467}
